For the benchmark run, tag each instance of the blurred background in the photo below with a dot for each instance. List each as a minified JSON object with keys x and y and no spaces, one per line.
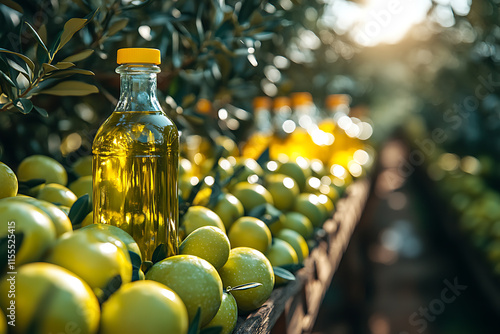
{"x":423,"y":74}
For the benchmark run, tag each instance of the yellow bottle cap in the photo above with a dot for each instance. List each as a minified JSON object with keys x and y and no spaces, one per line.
{"x":301,"y":99}
{"x":138,"y":56}
{"x":280,"y":102}
{"x":335,"y":100}
{"x":262,"y":102}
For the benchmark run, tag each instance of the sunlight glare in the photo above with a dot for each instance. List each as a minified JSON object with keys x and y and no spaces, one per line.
{"x":374,"y":22}
{"x":388,"y":21}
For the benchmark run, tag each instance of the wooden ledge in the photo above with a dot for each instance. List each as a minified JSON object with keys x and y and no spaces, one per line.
{"x":293,"y":308}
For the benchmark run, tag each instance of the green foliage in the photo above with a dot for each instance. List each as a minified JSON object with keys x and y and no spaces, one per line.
{"x":208,"y":49}
{"x":466,"y":99}
{"x":283,"y":273}
{"x":111,"y":287}
{"x":23,"y":77}
{"x":160,"y":253}
{"x":241,"y":287}
{"x":136,"y":265}
{"x":194,"y":326}
{"x":79,"y":210}
{"x":205,"y":44}
{"x":228,"y":52}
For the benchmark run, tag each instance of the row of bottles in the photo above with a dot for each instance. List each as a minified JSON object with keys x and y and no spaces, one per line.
{"x":294,"y":127}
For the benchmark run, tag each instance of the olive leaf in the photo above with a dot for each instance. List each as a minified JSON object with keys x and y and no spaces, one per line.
{"x":159,"y":253}
{"x":12,"y":4}
{"x":176,"y":50}
{"x":71,"y":88}
{"x":23,"y":105}
{"x":135,"y":259}
{"x":237,"y":172}
{"x":111,"y":286}
{"x":184,"y":205}
{"x":283,"y":273}
{"x":41,"y":310}
{"x":79,"y":210}
{"x":247,"y":9}
{"x":135,"y":275}
{"x":292,"y":267}
{"x":193,"y":119}
{"x":28,"y":61}
{"x":41,"y":111}
{"x":216,"y":193}
{"x":241,"y":287}
{"x":25,"y":186}
{"x":146,"y":265}
{"x":117,"y":26}
{"x":219,"y":151}
{"x":212,"y":330}
{"x":14,"y":66}
{"x":37,"y":37}
{"x":264,"y":36}
{"x":65,"y":73}
{"x":264,"y":157}
{"x":258,"y":211}
{"x":194,"y":326}
{"x":267,"y":213}
{"x":62,"y":65}
{"x":47,"y":68}
{"x":8,"y":79}
{"x":42,"y":32}
{"x":78,"y":56}
{"x":70,"y":28}
{"x":199,"y":22}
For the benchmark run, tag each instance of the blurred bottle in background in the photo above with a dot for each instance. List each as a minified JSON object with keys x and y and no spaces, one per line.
{"x":283,"y":126}
{"x":262,"y":132}
{"x":336,"y":108}
{"x":198,"y":148}
{"x":306,"y":138}
{"x":348,"y":153}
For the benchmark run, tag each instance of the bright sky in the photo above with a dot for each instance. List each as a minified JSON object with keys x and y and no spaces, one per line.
{"x":387,"y":21}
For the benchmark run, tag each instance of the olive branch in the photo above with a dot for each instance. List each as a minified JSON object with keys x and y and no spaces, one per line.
{"x":22,"y":78}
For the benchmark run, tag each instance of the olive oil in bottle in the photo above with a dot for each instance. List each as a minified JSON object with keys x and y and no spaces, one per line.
{"x":262,"y":133}
{"x":135,"y":159}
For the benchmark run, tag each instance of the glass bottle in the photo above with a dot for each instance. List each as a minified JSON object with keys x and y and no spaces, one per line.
{"x":262,"y":131}
{"x":336,"y":107}
{"x":135,"y":159}
{"x":339,"y":122}
{"x":283,"y":126}
{"x":306,"y":139}
{"x":197,"y":148}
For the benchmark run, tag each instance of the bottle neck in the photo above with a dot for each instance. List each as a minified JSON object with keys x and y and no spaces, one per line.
{"x":338,"y":111}
{"x":263,"y":122}
{"x":138,"y":88}
{"x":306,"y":115}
